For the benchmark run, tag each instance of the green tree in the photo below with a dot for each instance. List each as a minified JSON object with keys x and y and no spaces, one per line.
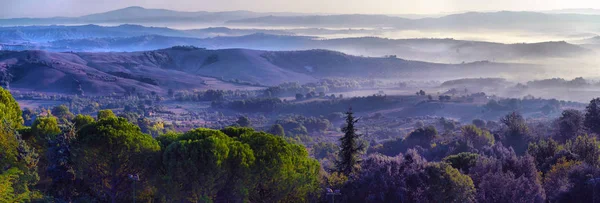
{"x":105,"y":114}
{"x":45,"y":128}
{"x":587,"y":148}
{"x":462,"y":161}
{"x":204,"y":148}
{"x":350,"y":147}
{"x":7,"y":186}
{"x":10,"y":110}
{"x":421,"y":136}
{"x":323,"y":149}
{"x":205,"y":162}
{"x":543,"y":151}
{"x":447,"y":184}
{"x":8,"y":146}
{"x":164,"y":186}
{"x":62,"y":112}
{"x":18,"y":161}
{"x":110,"y":150}
{"x":81,"y":120}
{"x":236,"y":131}
{"x":166,"y":139}
{"x":335,"y":180}
{"x":28,"y":164}
{"x":478,"y":137}
{"x":277,"y":129}
{"x":282,"y":172}
{"x":18,"y":166}
{"x":570,"y":124}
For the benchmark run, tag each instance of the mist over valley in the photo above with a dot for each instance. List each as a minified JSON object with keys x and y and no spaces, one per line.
{"x":437,"y":103}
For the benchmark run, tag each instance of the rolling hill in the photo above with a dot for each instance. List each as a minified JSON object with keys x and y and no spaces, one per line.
{"x":194,"y":68}
{"x":41,"y":34}
{"x":435,"y":50}
{"x":73,"y":73}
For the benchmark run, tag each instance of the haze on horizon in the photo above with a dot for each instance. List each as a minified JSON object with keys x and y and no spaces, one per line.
{"x":70,"y":8}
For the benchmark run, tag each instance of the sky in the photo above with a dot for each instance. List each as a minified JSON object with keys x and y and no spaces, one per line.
{"x":51,"y":8}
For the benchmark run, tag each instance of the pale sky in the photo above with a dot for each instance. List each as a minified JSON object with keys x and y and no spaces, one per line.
{"x":49,"y":8}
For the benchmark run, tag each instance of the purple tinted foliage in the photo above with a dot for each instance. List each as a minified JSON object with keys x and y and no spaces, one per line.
{"x":383,"y":178}
{"x":504,"y":177}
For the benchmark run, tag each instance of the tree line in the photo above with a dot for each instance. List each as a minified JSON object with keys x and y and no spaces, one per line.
{"x":109,"y":159}
{"x":510,"y":163}
{"x":78,"y":158}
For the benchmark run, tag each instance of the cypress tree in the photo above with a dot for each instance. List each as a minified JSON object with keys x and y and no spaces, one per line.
{"x":350,"y":148}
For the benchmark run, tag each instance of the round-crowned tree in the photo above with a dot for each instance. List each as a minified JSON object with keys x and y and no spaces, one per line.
{"x":9,"y":109}
{"x":108,"y":152}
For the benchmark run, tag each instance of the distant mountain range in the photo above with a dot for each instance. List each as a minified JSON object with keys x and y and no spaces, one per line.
{"x":559,"y":20}
{"x":532,"y":21}
{"x":93,"y":38}
{"x":356,"y":20}
{"x":137,"y":14}
{"x":193,"y":68}
{"x":585,"y":11}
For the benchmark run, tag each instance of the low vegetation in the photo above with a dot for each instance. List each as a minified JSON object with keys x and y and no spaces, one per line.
{"x":64,"y":156}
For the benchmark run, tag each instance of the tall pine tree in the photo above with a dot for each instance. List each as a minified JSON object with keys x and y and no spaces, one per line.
{"x":350,"y":148}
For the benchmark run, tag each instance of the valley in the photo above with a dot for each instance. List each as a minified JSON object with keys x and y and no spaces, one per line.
{"x":161,"y":105}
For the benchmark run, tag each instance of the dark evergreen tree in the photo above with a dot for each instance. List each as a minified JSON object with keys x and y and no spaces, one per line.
{"x":592,"y":116}
{"x":570,"y":125}
{"x":60,"y":165}
{"x":517,"y":132}
{"x":350,"y":148}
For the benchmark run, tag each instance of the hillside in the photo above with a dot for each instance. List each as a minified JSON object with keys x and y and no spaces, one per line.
{"x":276,"y":67}
{"x":192,"y":68}
{"x":41,"y":34}
{"x":451,"y":50}
{"x":92,"y":38}
{"x":73,"y":73}
{"x":136,"y":43}
{"x":152,"y":42}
